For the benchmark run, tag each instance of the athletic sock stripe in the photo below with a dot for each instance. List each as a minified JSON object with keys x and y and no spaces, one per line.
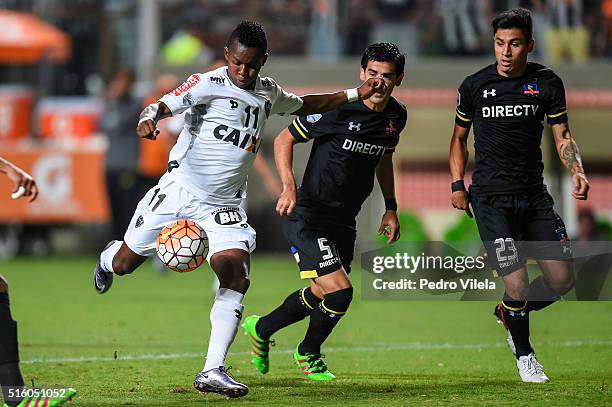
{"x":514,"y":309}
{"x":331,"y":310}
{"x":304,"y":299}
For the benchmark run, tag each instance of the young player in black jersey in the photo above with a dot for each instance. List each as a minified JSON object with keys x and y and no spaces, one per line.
{"x":506,"y":102}
{"x":351,"y":145}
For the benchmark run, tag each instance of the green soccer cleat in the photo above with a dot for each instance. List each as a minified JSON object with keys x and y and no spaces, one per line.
{"x":64,"y":396}
{"x":312,"y":366}
{"x":260,"y":348}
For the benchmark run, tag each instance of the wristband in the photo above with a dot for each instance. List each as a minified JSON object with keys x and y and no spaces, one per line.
{"x":390,"y":204}
{"x":151,"y":112}
{"x":352,"y":95}
{"x":457,"y":186}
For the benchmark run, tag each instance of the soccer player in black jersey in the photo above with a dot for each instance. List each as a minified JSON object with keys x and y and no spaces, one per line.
{"x":507,"y":103}
{"x":351,"y":145}
{"x":11,"y":380}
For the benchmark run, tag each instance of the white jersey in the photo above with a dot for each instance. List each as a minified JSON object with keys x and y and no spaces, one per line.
{"x":222,"y":133}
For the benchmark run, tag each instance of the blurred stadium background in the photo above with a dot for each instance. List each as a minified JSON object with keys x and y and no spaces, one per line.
{"x":68,"y":107}
{"x":59,"y":119}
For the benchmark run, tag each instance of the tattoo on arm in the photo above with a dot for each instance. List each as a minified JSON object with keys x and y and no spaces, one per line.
{"x":571,"y":157}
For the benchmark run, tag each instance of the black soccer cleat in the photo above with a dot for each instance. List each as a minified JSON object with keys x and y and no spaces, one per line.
{"x":103,"y":280}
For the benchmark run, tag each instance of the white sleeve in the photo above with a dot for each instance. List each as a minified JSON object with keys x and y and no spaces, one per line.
{"x":194,"y":91}
{"x":285,"y":102}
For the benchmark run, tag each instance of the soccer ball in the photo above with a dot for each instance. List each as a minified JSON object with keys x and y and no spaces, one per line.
{"x":182,"y":246}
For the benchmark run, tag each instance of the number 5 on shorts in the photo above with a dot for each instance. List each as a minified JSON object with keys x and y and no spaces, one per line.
{"x":325,"y":249}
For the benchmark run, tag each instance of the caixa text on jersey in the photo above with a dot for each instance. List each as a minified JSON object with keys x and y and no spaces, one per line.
{"x":245,"y":141}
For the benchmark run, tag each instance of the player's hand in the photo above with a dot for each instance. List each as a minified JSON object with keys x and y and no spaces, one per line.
{"x":286,"y":201}
{"x":389,"y":226}
{"x":371,"y":86}
{"x":147,"y":129}
{"x":23,"y":182}
{"x":581,"y":186}
{"x":461,"y":201}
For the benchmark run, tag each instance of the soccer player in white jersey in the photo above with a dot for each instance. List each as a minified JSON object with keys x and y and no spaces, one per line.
{"x":207,"y":173}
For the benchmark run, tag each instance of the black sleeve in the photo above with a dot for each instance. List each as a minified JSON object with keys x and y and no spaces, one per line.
{"x":465,"y":105}
{"x":401,"y":123}
{"x":556,"y":111}
{"x":304,"y":128}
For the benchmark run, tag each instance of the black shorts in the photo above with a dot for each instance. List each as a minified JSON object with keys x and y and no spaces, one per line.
{"x":519,"y":225}
{"x":320,"y":242}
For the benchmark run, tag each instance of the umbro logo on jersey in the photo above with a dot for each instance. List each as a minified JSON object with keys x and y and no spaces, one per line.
{"x":139,"y":221}
{"x":487,"y":93}
{"x":354,"y":126}
{"x":233,"y":104}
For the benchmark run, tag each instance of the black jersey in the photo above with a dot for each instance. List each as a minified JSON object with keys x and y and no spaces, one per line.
{"x":349,"y":143}
{"x":508,"y":116}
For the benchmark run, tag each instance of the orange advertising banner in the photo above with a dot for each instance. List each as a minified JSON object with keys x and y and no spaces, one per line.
{"x":71,"y":185}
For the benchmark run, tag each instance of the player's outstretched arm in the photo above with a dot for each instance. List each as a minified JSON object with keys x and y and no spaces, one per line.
{"x":323,"y":102}
{"x":458,"y":160}
{"x":283,"y":155}
{"x":261,"y":167}
{"x":389,"y":225}
{"x":147,"y":124}
{"x":570,"y":157}
{"x":22,"y":181}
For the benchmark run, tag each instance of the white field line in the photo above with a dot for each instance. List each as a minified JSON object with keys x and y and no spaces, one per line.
{"x":376,"y":348}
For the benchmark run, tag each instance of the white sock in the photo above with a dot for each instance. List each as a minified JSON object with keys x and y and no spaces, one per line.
{"x":225,"y":317}
{"x":107,"y":256}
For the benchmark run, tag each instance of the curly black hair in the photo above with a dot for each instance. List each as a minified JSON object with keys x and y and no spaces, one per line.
{"x":250,"y":34}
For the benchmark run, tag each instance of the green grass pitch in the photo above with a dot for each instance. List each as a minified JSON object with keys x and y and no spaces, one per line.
{"x":143,"y":342}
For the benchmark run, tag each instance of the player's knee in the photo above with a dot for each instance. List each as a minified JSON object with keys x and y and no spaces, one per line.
{"x":564,"y":285}
{"x":232,"y":269}
{"x":518,"y":291}
{"x":339,"y":301}
{"x":235,"y":279}
{"x":239,"y":283}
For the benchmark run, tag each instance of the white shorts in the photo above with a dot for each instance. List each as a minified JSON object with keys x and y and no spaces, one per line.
{"x":226,"y":227}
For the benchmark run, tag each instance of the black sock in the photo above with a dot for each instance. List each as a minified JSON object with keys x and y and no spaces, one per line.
{"x":516,"y":318}
{"x":297,"y":306}
{"x":10,"y":375}
{"x":540,"y":295}
{"x":324,"y":318}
